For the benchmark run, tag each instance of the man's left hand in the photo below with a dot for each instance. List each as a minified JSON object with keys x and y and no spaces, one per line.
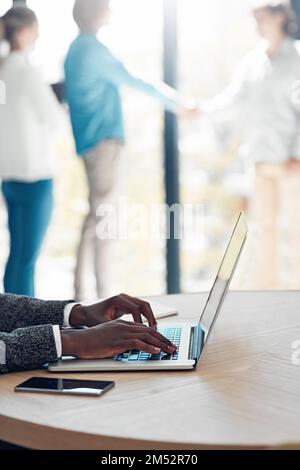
{"x":112,"y":309}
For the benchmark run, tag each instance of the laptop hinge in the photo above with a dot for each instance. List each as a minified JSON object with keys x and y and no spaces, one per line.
{"x":196,"y":343}
{"x":192,"y":351}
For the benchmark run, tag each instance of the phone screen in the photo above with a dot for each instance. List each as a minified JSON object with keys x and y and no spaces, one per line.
{"x":65,"y":386}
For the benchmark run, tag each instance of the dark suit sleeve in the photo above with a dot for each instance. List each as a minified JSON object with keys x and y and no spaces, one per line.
{"x":21,"y":312}
{"x":27,"y":348}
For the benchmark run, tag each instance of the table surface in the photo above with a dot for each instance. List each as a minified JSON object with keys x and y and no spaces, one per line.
{"x":245,"y":392}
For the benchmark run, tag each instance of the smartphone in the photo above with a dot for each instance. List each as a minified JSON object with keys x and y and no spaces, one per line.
{"x":91,"y":388}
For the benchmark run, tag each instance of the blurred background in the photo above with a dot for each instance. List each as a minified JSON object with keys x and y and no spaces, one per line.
{"x":212,"y":38}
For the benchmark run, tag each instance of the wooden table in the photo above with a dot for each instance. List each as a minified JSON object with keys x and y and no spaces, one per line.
{"x":245,"y":393}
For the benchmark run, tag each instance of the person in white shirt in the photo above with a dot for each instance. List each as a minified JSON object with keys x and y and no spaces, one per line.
{"x":261,"y":102}
{"x":29,"y":116}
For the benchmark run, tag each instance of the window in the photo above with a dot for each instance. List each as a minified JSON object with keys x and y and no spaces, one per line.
{"x":134,"y":35}
{"x":4,"y":6}
{"x":57,"y":30}
{"x":213,"y":37}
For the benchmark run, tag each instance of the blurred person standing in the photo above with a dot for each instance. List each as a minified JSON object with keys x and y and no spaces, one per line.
{"x":94,"y":77}
{"x":27,"y":155}
{"x":260,"y":102}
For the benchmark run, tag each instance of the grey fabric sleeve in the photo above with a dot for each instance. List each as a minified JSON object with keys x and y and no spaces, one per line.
{"x":20,"y":312}
{"x":27,"y":348}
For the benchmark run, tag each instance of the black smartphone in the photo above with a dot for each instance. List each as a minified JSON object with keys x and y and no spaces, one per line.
{"x":91,"y":388}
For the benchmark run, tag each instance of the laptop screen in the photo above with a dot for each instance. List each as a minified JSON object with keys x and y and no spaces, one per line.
{"x":224,"y":276}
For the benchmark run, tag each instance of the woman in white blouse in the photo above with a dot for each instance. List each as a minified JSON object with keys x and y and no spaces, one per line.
{"x":261,"y":101}
{"x":29,"y":115}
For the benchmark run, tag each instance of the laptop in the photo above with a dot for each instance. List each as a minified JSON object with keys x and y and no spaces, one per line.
{"x":190,"y":339}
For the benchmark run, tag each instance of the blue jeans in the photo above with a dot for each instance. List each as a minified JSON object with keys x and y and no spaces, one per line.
{"x":29,"y":207}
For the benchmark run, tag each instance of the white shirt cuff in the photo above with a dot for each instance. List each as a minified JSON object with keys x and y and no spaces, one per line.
{"x":57,"y":339}
{"x":67,"y":312}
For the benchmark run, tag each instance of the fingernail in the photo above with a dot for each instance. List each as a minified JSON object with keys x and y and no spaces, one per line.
{"x":171,"y":348}
{"x":156,"y":350}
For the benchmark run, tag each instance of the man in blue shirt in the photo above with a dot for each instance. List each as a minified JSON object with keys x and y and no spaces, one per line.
{"x":93,"y":80}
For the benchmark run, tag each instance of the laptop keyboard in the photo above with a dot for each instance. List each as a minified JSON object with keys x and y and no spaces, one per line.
{"x":172,"y":334}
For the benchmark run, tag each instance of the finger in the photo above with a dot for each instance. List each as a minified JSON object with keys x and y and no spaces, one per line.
{"x":145,"y":309}
{"x":150,"y":339}
{"x":144,"y":330}
{"x":138,"y":329}
{"x":160,"y":337}
{"x":139,"y":345}
{"x":129,"y":323}
{"x":137,"y":310}
{"x":126,"y":306}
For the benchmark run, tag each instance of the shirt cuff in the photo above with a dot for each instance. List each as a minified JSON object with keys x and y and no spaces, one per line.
{"x":67,"y":312}
{"x":57,"y":339}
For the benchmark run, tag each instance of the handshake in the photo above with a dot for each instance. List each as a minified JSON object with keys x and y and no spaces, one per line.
{"x":107,"y":335}
{"x":188,"y":111}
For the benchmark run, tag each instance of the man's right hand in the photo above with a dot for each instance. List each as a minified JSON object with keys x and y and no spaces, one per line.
{"x":116,"y":337}
{"x":188,"y":112}
{"x":292,"y":166}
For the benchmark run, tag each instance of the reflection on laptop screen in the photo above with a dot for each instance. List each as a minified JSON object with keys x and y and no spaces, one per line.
{"x":224,"y":276}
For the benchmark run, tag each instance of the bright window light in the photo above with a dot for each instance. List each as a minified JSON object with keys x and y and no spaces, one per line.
{"x":4,"y":6}
{"x":133,"y":29}
{"x":57,"y":30}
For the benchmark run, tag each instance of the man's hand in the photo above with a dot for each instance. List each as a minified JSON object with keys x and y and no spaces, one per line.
{"x":292,"y":166}
{"x":107,"y":340}
{"x":112,"y":309}
{"x":188,"y":112}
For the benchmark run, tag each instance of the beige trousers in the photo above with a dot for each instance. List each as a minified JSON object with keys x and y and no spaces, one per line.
{"x":277,"y":206}
{"x":102,"y":166}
